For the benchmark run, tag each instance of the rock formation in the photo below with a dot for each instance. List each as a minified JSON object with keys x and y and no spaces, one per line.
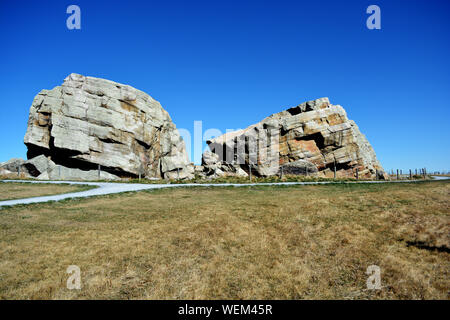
{"x":313,"y":138}
{"x":90,"y":122}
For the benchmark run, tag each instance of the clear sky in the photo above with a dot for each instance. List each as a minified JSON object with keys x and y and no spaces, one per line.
{"x":231,"y":63}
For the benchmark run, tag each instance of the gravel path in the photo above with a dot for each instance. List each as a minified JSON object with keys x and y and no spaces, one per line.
{"x":110,"y":187}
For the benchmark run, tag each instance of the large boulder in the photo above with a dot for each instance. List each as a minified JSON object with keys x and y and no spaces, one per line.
{"x":314,"y":137}
{"x":88,"y":121}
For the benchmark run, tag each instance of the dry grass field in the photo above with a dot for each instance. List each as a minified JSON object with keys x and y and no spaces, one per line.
{"x":13,"y":190}
{"x":297,"y":242}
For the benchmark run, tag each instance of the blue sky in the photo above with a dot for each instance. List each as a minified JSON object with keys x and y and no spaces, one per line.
{"x":232,"y":63}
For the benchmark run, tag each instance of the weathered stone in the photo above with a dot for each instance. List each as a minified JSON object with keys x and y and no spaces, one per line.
{"x":14,"y":165}
{"x":43,"y":176}
{"x":314,"y":137}
{"x":43,"y":168}
{"x":210,"y":158}
{"x":178,"y":174}
{"x":88,"y":121}
{"x":299,"y":167}
{"x":62,"y":173}
{"x":5,"y":172}
{"x":240,"y":172}
{"x":199,"y":169}
{"x":39,"y":165}
{"x":199,"y":172}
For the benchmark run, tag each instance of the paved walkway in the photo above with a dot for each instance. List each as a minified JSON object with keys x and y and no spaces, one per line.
{"x":104,"y":188}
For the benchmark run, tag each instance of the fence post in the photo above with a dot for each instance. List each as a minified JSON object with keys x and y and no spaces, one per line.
{"x":410,"y":174}
{"x":423,"y":171}
{"x":334,"y":168}
{"x":397,"y":174}
{"x":99,"y":170}
{"x":357,"y":174}
{"x":141,"y":171}
{"x":376,"y":174}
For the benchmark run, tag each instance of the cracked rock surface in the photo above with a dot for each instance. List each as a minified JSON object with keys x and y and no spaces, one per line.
{"x":313,"y":138}
{"x":87,"y":122}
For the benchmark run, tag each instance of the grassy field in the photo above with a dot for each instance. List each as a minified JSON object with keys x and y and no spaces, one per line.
{"x":301,"y":242}
{"x":13,"y":190}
